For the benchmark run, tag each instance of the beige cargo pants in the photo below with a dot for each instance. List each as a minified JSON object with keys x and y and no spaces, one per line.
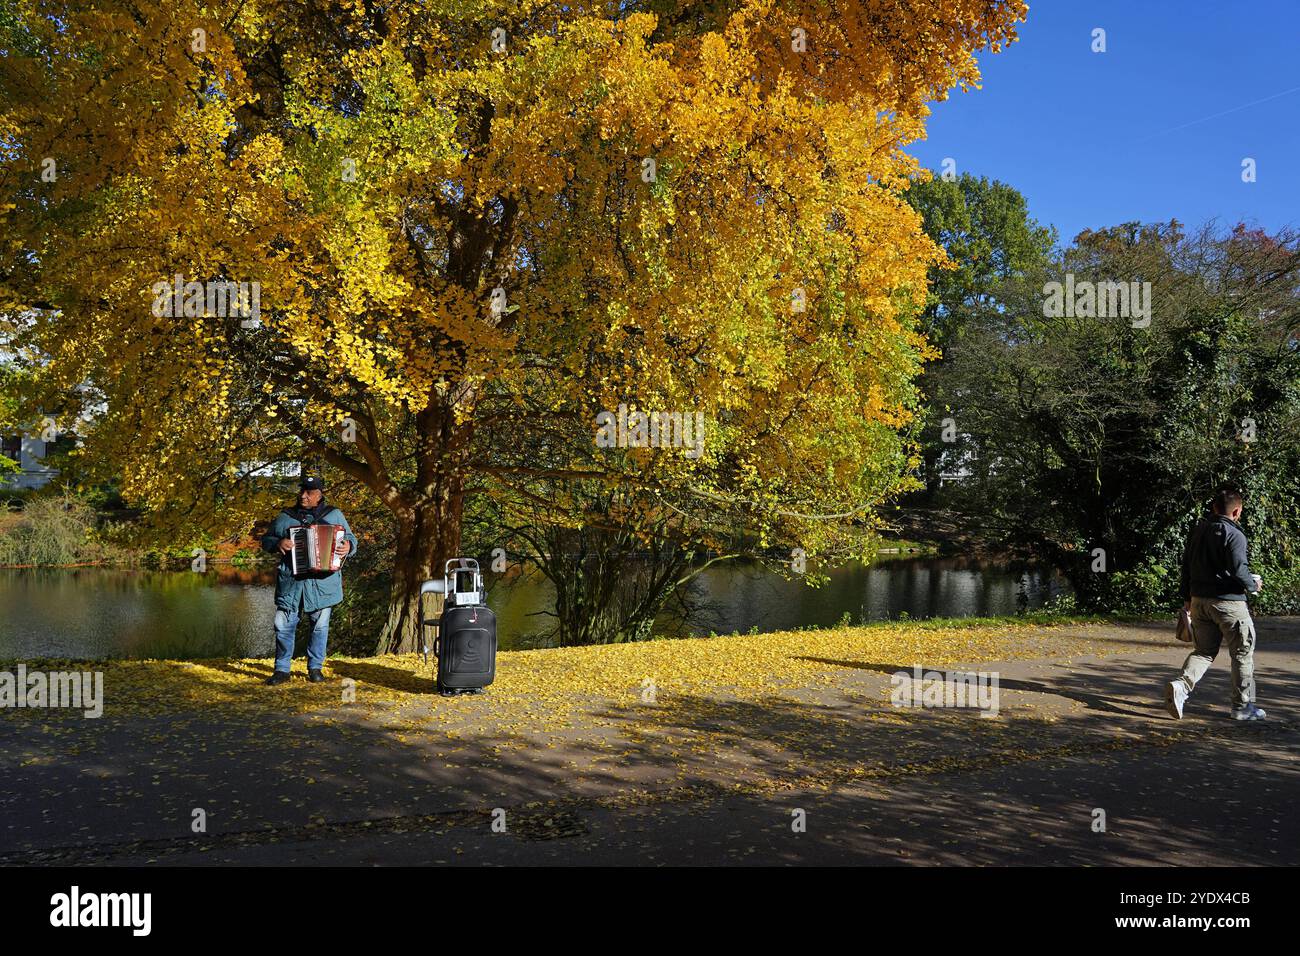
{"x":1214,"y":622}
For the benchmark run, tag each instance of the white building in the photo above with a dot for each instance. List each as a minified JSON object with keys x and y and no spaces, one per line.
{"x":29,"y":451}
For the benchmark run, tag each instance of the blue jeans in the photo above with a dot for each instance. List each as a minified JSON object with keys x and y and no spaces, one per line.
{"x":286,"y":623}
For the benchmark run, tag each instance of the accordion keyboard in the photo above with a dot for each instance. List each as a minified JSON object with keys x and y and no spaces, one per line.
{"x":315,"y":548}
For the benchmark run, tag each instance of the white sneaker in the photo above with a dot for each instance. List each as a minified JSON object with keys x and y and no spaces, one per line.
{"x":1249,"y":712}
{"x":1175,"y":696}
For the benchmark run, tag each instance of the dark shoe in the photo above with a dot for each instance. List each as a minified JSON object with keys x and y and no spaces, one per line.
{"x":316,"y":677}
{"x":279,"y":677}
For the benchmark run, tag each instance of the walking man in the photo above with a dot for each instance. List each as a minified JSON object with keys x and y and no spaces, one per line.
{"x":1215,"y":582}
{"x":312,"y":593}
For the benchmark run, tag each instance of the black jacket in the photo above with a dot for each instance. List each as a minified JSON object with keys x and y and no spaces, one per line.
{"x":1214,"y":561}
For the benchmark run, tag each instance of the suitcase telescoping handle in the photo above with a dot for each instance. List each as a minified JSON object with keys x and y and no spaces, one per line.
{"x":451,"y":577}
{"x":471,"y":598}
{"x":449,"y":588}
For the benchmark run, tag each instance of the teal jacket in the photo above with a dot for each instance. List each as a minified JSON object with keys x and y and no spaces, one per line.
{"x":315,"y":591}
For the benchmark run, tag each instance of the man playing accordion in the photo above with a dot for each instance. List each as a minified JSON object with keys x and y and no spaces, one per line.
{"x":315,"y":588}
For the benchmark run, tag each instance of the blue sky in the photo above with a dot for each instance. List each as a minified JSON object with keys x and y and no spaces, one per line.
{"x":1095,"y":139}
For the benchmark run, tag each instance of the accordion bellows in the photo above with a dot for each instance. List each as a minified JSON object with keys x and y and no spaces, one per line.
{"x":315,"y":548}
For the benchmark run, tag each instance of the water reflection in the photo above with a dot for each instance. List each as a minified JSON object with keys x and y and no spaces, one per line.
{"x":91,"y":612}
{"x":743,"y":598}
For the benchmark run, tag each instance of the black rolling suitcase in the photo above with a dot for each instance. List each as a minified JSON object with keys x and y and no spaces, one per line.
{"x":466,"y":645}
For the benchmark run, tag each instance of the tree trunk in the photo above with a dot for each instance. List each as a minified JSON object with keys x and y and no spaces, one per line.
{"x":425,"y":541}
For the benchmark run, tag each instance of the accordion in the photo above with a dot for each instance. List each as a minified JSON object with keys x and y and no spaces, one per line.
{"x":315,"y":548}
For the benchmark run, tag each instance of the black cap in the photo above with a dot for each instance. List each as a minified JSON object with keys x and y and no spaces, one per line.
{"x":311,"y":482}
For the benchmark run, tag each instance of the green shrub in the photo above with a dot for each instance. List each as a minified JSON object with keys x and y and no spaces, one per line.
{"x":52,"y":531}
{"x":1281,"y":592}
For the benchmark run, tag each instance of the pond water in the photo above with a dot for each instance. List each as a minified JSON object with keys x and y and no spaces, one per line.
{"x":95,"y":613}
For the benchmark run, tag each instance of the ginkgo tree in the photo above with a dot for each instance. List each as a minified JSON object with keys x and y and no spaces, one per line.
{"x":428,"y":243}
